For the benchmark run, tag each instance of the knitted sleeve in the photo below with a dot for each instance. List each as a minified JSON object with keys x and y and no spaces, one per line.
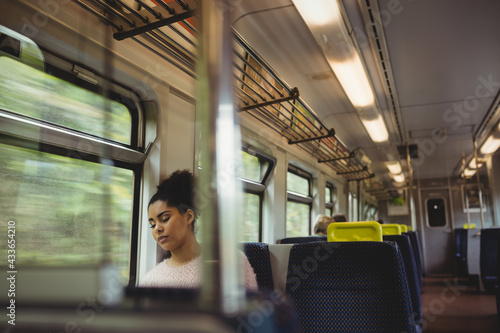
{"x":249,"y":274}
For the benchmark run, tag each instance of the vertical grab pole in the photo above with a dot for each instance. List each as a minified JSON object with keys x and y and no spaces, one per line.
{"x":466,"y":196}
{"x":218,"y":142}
{"x":478,"y":183}
{"x":411,"y":206}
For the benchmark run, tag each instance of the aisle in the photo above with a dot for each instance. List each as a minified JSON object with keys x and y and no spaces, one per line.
{"x":449,"y":305}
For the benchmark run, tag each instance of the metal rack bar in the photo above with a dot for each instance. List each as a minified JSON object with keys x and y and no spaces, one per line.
{"x":337,"y":158}
{"x":331,"y":133}
{"x":353,"y":171}
{"x":259,"y":90}
{"x":295,"y":95}
{"x":153,"y":18}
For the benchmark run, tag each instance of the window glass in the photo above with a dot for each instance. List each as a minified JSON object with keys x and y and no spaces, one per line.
{"x":297,"y":220}
{"x":328,"y":212}
{"x":251,"y":167}
{"x":66,"y":211}
{"x":297,"y":184}
{"x":436,"y":212}
{"x":33,"y":93}
{"x":251,"y":218}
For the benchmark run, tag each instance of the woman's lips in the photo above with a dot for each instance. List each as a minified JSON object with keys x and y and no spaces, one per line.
{"x":162,"y":239}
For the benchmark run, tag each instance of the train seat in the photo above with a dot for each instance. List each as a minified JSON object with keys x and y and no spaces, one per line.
{"x":461,"y":236}
{"x":489,"y":258}
{"x":304,"y":239}
{"x":409,"y":260}
{"x":417,"y":251}
{"x":349,"y":287}
{"x":259,"y":258}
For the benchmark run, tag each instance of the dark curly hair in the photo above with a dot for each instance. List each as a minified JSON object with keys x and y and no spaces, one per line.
{"x":177,"y":191}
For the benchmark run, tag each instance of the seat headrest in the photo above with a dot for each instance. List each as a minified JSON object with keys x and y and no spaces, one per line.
{"x":354,"y":231}
{"x":391,"y":229}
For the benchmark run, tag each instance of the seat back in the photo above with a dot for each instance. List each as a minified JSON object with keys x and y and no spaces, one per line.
{"x":304,"y":239}
{"x":461,"y":236}
{"x":406,"y":249}
{"x":489,"y":258}
{"x":417,"y":251}
{"x":258,"y":256}
{"x":349,"y":287}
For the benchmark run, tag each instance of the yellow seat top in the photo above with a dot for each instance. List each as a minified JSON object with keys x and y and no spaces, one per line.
{"x":391,"y":229}
{"x":354,"y":231}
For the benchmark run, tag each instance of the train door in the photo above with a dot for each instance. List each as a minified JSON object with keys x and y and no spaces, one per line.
{"x":437,"y":227}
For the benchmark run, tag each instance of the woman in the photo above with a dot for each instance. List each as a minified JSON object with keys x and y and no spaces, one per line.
{"x":172,"y":218}
{"x":322,"y":223}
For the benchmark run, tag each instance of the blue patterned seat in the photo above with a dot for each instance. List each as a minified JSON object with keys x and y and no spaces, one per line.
{"x":258,"y":256}
{"x":489,"y":258}
{"x":304,"y":239}
{"x":350,"y":287}
{"x":461,"y":237}
{"x":417,"y":251}
{"x":404,"y":245}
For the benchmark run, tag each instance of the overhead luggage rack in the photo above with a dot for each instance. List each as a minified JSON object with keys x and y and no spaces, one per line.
{"x":169,"y":30}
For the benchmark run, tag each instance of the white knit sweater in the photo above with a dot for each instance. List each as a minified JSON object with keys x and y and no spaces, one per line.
{"x":189,"y":275}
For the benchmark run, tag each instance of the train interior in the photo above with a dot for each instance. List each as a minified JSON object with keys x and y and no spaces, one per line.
{"x":383,"y":110}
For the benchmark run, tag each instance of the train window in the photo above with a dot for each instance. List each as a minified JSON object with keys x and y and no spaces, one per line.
{"x":72,"y":150}
{"x":61,"y":103}
{"x":299,"y":202}
{"x":10,"y":45}
{"x":251,"y":228}
{"x":330,"y":199}
{"x":436,"y":212}
{"x":253,"y":167}
{"x":298,"y":181}
{"x":58,"y":203}
{"x":254,"y":174}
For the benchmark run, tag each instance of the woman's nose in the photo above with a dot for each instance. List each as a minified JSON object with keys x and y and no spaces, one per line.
{"x":158,"y":228}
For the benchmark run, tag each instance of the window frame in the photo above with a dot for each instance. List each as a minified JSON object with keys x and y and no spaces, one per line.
{"x":299,"y":198}
{"x":259,"y":188}
{"x":331,"y":205}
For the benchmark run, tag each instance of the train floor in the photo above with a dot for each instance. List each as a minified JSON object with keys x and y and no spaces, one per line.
{"x":454,"y":305}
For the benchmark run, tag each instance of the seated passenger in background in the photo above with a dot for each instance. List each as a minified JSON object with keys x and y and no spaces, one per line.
{"x":340,"y":218}
{"x":322,"y":222}
{"x":172,"y":217}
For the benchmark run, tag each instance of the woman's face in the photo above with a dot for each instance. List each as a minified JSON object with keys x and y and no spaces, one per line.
{"x":170,"y":228}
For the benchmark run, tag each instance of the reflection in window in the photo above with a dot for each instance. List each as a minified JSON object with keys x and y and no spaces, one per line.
{"x":436,"y":212}
{"x":10,"y":45}
{"x":67,"y":211}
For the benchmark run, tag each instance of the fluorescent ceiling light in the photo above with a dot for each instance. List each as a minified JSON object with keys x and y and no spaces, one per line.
{"x":491,"y":145}
{"x":318,"y":12}
{"x":324,"y":19}
{"x":469,"y":173}
{"x":472,"y":164}
{"x":376,"y":129}
{"x":352,"y":77}
{"x":394,"y":167}
{"x":399,"y":178}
